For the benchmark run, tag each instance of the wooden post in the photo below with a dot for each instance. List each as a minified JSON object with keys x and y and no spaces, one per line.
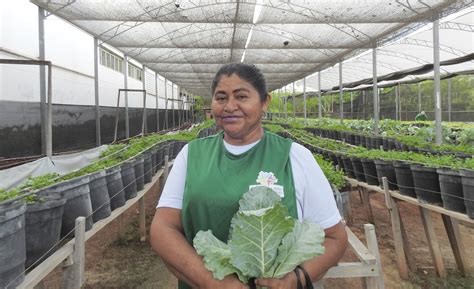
{"x":165,"y":173}
{"x":166,"y":170}
{"x":368,"y":208}
{"x":432,"y":242}
{"x":319,"y":284}
{"x":374,"y":282}
{"x":397,"y":231}
{"x":141,"y":208}
{"x":73,"y":275}
{"x":456,"y":242}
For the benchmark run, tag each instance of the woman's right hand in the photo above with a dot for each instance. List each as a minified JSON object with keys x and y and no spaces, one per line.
{"x":229,"y":282}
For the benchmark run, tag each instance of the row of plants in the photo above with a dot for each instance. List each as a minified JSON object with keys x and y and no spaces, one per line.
{"x":51,"y":203}
{"x":442,"y":179}
{"x":457,"y":137}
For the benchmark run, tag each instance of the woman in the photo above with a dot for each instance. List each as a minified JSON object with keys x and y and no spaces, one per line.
{"x":210,"y":175}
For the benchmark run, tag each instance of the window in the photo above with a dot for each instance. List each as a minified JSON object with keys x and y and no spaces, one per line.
{"x":135,"y":72}
{"x":111,"y":60}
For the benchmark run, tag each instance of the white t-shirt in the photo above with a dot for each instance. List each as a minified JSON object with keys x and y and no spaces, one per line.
{"x":314,"y":197}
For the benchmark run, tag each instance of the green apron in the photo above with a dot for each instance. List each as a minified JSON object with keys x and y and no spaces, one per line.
{"x":217,"y":179}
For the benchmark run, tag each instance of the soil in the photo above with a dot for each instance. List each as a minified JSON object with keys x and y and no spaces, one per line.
{"x":115,"y":258}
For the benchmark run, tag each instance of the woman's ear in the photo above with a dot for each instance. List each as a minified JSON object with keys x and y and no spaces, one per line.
{"x":267,"y":103}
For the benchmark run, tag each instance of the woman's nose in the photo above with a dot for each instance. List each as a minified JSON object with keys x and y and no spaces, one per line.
{"x":231,"y":105}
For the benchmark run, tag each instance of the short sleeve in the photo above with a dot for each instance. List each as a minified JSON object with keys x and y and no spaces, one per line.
{"x":173,"y":191}
{"x":314,"y":196}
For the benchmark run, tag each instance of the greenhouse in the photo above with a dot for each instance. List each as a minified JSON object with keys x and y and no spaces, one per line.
{"x":236,"y":144}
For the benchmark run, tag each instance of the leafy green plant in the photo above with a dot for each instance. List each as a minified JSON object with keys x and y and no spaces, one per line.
{"x":36,"y":183}
{"x":7,"y":195}
{"x":273,"y":242}
{"x":334,"y":176}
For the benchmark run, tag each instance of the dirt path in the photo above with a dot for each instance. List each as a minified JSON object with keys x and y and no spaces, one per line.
{"x":120,"y":261}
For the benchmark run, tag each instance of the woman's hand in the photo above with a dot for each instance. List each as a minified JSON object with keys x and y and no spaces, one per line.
{"x":229,"y":282}
{"x":287,"y":282}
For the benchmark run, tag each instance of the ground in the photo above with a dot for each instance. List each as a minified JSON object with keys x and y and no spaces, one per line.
{"x":115,"y":258}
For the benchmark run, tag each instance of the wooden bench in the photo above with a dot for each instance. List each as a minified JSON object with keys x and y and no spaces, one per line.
{"x":369,"y":265}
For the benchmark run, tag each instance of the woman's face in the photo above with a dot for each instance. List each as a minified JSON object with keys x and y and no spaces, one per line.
{"x":237,"y":107}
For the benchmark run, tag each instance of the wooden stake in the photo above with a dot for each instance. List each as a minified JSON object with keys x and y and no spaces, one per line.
{"x":432,"y":242}
{"x":142,"y":220}
{"x":374,"y":282}
{"x":452,"y":229}
{"x":397,"y":231}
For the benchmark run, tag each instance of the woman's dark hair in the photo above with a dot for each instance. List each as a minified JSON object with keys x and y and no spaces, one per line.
{"x":247,"y":72}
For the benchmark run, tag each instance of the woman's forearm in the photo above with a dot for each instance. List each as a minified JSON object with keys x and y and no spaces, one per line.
{"x":335,"y":245}
{"x":169,"y":243}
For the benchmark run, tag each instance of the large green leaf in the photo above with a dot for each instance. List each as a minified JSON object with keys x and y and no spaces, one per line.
{"x":264,"y":240}
{"x":302,"y":244}
{"x":216,"y":255}
{"x":256,"y":237}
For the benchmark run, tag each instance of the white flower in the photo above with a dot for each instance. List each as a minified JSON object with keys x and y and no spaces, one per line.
{"x":266,"y":179}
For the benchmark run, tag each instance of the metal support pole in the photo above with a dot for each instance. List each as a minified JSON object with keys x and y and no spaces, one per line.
{"x":125,"y":84}
{"x":286,"y":104}
{"x":375,"y":91}
{"x":304,"y":99}
{"x":166,"y":104}
{"x":449,"y":99}
{"x":294,"y":106}
{"x":396,"y":103}
{"x":96,"y":92}
{"x":49,"y":115}
{"x":352,"y":106}
{"x":320,"y":109}
{"x":157,"y":104}
{"x":437,"y":80}
{"x":172,"y":104}
{"x":179,"y":105}
{"x":341,"y":95}
{"x":144,"y":121}
{"x":363,"y":104}
{"x":399,"y":101}
{"x":42,"y":71}
{"x":419,"y":97}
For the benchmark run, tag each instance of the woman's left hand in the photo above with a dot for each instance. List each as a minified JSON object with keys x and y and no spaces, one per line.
{"x":287,"y":282}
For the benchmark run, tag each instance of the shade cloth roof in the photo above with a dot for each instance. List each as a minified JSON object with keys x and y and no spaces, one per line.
{"x":186,"y":41}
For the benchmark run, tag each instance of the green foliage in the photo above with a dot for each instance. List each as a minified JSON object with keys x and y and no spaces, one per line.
{"x":36,"y":183}
{"x":275,"y":128}
{"x":7,"y":195}
{"x":466,"y":137}
{"x":334,"y":176}
{"x":261,"y":219}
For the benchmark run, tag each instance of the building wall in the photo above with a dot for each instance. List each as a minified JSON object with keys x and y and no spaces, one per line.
{"x":71,"y":51}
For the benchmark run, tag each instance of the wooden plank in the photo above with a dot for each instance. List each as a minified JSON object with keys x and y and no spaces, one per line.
{"x":142,"y":219}
{"x":351,"y":270}
{"x":319,"y":284}
{"x":368,"y":208}
{"x":397,"y":233}
{"x":374,"y":282}
{"x":454,"y":236}
{"x":48,"y":265}
{"x":359,"y":248}
{"x":432,"y":242}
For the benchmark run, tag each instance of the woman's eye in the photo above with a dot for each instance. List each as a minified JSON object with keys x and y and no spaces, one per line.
{"x":219,"y":98}
{"x":242,"y":97}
